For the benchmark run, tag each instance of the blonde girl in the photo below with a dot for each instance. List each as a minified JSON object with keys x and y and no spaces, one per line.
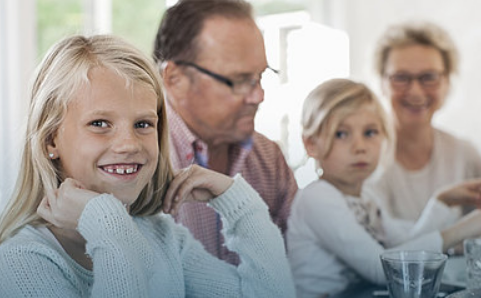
{"x":335,"y":231}
{"x":86,"y":217}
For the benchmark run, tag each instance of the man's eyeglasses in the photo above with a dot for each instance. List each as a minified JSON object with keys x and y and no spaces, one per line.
{"x":403,"y":80}
{"x":240,"y":87}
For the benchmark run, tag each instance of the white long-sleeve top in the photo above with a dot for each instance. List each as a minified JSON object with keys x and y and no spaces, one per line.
{"x":328,"y":249}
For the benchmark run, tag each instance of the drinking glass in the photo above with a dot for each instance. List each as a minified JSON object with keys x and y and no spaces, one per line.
{"x":472,"y":253}
{"x":413,"y":274}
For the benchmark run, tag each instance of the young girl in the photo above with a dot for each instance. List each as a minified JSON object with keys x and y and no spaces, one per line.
{"x":335,"y":236}
{"x":84,"y":220}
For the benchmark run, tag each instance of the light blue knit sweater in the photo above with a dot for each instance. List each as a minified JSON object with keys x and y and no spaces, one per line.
{"x":152,"y":256}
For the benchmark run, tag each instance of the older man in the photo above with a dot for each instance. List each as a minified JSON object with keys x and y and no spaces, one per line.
{"x":211,"y":56}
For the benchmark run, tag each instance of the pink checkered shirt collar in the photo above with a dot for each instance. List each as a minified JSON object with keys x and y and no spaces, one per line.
{"x":187,"y":148}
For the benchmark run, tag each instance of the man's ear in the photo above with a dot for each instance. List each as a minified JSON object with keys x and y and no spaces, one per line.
{"x":176,"y":83}
{"x":312,"y":148}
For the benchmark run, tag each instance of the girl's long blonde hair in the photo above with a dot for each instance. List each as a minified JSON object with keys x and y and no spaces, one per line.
{"x":59,"y":76}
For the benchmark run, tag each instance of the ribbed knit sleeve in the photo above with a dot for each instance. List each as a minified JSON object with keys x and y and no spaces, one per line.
{"x":29,"y":267}
{"x":248,"y":230}
{"x":151,"y":256}
{"x":34,"y":266}
{"x":121,"y":256}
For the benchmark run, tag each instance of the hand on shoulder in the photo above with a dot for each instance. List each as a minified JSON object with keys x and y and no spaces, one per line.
{"x":194,"y":184}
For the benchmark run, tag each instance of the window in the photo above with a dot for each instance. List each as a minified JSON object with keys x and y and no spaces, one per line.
{"x":55,"y":20}
{"x":270,"y":7}
{"x":136,"y":21}
{"x":140,"y":27}
{"x":307,"y":54}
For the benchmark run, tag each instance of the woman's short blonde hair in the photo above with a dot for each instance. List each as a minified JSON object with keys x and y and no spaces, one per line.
{"x":331,"y":102}
{"x":416,"y":33}
{"x":62,"y":72}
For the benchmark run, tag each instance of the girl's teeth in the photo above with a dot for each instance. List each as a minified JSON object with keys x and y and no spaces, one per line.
{"x":121,"y":171}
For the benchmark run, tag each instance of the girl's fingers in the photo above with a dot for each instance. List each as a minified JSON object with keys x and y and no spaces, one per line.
{"x":44,"y":210}
{"x":64,"y":206}
{"x":182,"y":188}
{"x":194,"y":184}
{"x":172,"y":192}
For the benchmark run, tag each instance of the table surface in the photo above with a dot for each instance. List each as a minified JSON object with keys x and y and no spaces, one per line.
{"x":454,"y":279}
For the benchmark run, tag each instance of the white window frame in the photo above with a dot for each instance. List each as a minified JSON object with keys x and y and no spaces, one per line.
{"x":17,"y":60}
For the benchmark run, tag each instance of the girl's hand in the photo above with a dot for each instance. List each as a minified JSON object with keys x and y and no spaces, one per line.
{"x":194,"y":184}
{"x":63,"y":209}
{"x":466,"y":193}
{"x":469,"y":226}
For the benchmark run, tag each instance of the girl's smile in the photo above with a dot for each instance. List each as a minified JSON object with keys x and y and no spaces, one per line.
{"x":108,"y":138}
{"x":122,"y":171}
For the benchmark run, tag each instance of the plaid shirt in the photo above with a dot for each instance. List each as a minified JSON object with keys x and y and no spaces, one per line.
{"x":261,"y":163}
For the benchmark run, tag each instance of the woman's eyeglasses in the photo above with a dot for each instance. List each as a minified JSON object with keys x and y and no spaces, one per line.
{"x":427,"y":79}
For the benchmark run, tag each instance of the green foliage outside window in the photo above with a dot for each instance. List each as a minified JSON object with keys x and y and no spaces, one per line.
{"x":266,"y":7}
{"x":57,"y":19}
{"x":137,"y":21}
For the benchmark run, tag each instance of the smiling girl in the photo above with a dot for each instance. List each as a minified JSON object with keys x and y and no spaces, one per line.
{"x":336,"y":232}
{"x":85,"y":219}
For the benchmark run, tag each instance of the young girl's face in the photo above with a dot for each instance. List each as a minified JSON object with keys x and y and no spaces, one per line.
{"x":108,"y":139}
{"x":355,"y":150}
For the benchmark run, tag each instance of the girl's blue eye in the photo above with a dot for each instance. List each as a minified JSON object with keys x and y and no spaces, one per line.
{"x":143,"y":124}
{"x":341,"y":134}
{"x":99,"y":123}
{"x":371,"y":132}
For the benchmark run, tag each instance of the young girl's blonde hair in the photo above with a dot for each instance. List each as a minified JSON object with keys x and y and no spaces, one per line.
{"x":332,"y":101}
{"x":62,"y":72}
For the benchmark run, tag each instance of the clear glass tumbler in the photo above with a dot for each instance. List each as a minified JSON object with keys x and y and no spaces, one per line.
{"x":413,"y":274}
{"x":472,"y":253}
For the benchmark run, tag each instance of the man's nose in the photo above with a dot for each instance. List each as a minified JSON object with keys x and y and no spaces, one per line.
{"x":256,"y":96}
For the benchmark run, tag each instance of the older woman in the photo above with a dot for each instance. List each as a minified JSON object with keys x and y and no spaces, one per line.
{"x":416,"y":62}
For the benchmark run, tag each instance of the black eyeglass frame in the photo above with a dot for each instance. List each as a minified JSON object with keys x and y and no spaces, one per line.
{"x":220,"y":78}
{"x":416,"y":77}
